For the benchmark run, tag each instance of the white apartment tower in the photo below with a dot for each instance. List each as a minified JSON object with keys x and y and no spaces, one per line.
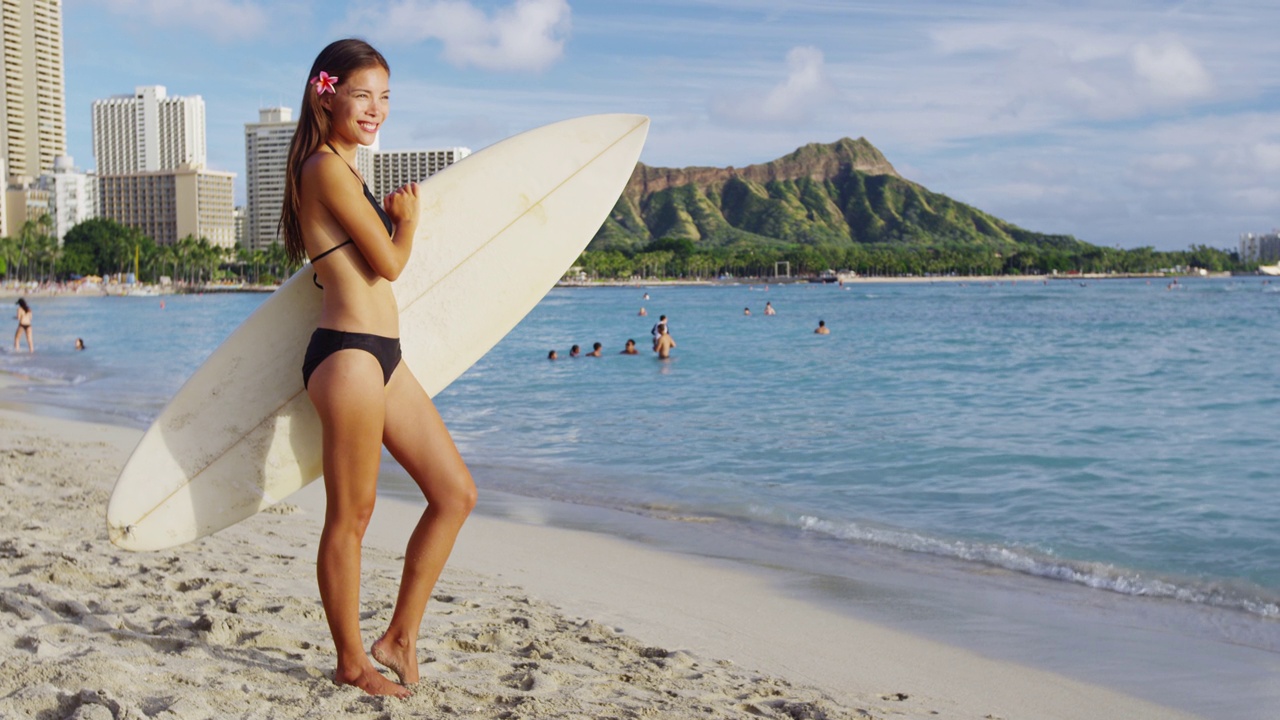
{"x":150,"y":150}
{"x":148,"y":131}
{"x":1263,"y":248}
{"x":73,"y":194}
{"x":266,"y":155}
{"x":393,"y":168}
{"x":33,"y":118}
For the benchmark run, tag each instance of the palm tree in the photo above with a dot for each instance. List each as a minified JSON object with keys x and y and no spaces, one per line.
{"x":8,"y":256}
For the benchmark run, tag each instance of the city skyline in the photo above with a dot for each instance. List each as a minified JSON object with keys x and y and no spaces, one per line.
{"x":1152,"y":124}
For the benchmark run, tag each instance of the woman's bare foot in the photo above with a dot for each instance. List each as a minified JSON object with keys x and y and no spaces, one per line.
{"x":370,"y":681}
{"x":398,"y":657}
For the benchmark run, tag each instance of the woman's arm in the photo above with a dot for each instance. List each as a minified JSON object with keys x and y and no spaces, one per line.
{"x":341,"y":194}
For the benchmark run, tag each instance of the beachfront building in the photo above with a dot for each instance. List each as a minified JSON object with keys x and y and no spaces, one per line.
{"x":393,"y":168}
{"x":148,"y":131}
{"x":73,"y":195}
{"x":24,"y":201}
{"x":365,"y":155}
{"x":33,"y":125}
{"x":150,"y":150}
{"x":1260,"y":248}
{"x":266,"y":153}
{"x":169,"y":205}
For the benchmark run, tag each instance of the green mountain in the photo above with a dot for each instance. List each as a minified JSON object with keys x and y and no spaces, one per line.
{"x":832,"y":195}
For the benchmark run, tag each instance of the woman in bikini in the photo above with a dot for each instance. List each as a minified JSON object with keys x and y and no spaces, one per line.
{"x":365,"y":396}
{"x":24,"y":326}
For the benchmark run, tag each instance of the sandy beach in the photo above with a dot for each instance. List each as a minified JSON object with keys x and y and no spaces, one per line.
{"x":529,"y":621}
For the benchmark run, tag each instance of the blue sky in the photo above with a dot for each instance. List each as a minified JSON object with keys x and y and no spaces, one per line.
{"x":1124,"y":123}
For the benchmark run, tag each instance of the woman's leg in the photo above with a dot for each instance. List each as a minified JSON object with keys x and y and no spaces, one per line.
{"x":31,"y":346}
{"x":346,"y":390}
{"x":417,"y":438}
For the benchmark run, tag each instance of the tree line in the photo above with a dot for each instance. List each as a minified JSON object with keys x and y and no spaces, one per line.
{"x":681,"y":258}
{"x":105,"y":247}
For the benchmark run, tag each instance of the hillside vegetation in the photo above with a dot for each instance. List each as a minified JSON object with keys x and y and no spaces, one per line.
{"x":836,"y":206}
{"x":831,"y":195}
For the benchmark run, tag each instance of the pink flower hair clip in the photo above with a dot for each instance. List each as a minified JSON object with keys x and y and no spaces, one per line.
{"x":324,"y":83}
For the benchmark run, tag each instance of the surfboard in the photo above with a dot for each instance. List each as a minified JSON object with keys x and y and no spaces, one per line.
{"x":496,"y":231}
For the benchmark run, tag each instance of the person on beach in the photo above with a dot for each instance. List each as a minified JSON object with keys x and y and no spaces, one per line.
{"x":643,"y":312}
{"x":79,"y":343}
{"x":595,"y":350}
{"x":630,"y":349}
{"x":746,"y":311}
{"x":364,"y":395}
{"x":768,"y":309}
{"x":24,"y":326}
{"x":552,"y":355}
{"x":822,"y":328}
{"x":665,"y":344}
{"x":575,"y":351}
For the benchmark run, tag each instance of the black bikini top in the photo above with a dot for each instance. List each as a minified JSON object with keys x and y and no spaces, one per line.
{"x":386,"y":221}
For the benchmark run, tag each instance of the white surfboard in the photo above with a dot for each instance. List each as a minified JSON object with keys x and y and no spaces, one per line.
{"x":496,"y":231}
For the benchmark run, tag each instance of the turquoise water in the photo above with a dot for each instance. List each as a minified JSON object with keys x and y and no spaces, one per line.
{"x":1115,"y":434}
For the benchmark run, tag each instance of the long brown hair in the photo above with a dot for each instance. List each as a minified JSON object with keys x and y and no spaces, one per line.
{"x":340,"y":58}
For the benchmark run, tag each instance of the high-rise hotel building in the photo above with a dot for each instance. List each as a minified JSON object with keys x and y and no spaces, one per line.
{"x":148,"y":131}
{"x":266,"y":153}
{"x":150,"y":151}
{"x":169,"y":205}
{"x":393,"y":168}
{"x":33,"y":124}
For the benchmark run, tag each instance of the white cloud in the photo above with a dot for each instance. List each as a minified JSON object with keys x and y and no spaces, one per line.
{"x":1267,"y":155}
{"x":1172,"y":71}
{"x":794,"y":100}
{"x":1261,"y":199}
{"x":223,"y":19}
{"x":1089,"y":72}
{"x":526,"y":35}
{"x":1164,"y":163}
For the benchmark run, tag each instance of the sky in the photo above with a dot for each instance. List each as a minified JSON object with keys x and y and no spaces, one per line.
{"x":1125,"y":123}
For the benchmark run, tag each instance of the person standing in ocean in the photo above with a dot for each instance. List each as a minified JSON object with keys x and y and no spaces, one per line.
{"x":665,"y":344}
{"x":364,"y":395}
{"x":657,"y":330}
{"x":24,"y":326}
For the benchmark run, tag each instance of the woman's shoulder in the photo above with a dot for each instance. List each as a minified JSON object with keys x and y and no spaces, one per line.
{"x":323,"y":164}
{"x":328,"y":172}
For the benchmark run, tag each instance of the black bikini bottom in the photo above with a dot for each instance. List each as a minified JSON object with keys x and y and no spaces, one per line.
{"x":325,"y":342}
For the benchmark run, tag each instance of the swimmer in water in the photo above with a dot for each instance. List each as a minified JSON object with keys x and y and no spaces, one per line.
{"x":665,"y":344}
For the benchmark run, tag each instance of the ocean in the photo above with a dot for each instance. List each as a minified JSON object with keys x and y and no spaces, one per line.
{"x":1117,"y":436}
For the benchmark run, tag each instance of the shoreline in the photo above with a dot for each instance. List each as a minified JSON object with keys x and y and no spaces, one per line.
{"x":892,"y":279}
{"x":718,"y":620}
{"x":7,"y":291}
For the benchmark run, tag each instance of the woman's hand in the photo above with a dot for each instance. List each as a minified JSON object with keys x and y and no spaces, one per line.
{"x":402,"y":205}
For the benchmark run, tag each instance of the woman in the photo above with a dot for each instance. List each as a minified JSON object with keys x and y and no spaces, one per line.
{"x":24,"y":326}
{"x":364,"y":395}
